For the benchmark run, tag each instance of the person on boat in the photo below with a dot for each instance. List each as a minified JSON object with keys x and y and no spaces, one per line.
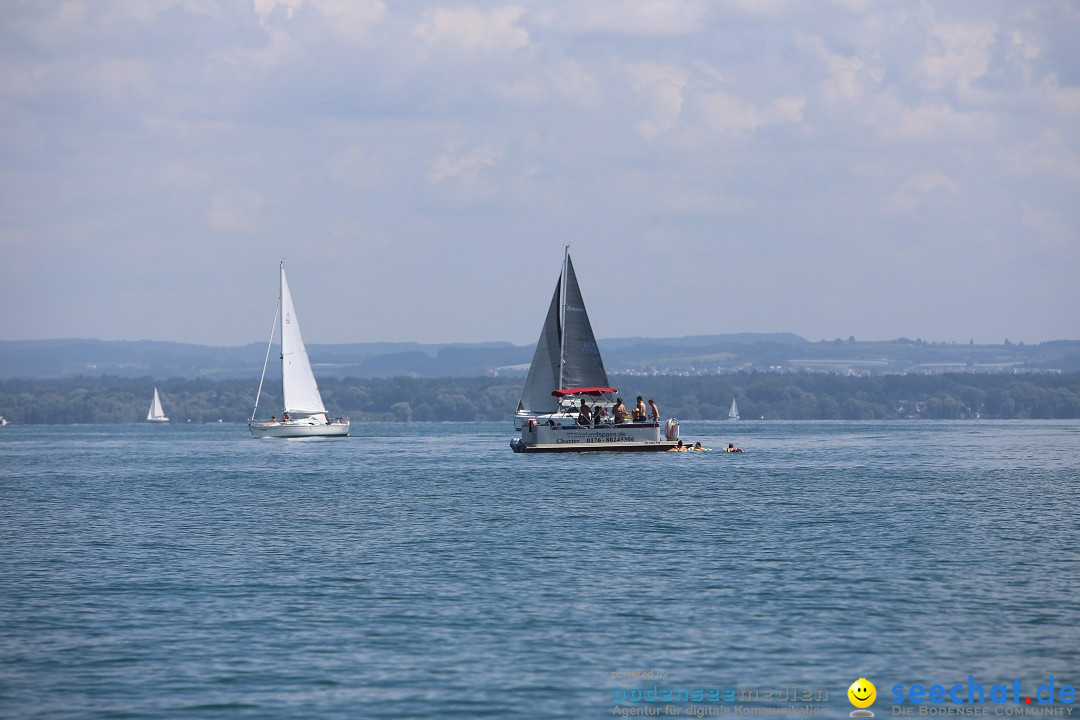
{"x":620,"y":411}
{"x":654,"y":411}
{"x":284,"y":417}
{"x":584,"y":414}
{"x":679,"y":448}
{"x":639,"y":410}
{"x":597,"y":414}
{"x":731,"y":448}
{"x":273,"y":419}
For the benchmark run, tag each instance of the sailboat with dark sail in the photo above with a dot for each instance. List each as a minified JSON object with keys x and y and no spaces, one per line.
{"x":568,"y":371}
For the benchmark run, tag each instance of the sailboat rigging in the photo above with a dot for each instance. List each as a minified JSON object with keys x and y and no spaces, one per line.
{"x":303,"y":414}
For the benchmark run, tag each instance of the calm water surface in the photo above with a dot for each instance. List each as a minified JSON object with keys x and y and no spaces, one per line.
{"x":424,"y":570}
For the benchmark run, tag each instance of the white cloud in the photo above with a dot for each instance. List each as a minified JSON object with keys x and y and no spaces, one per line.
{"x":472,"y":30}
{"x":725,"y":112}
{"x":75,"y":25}
{"x":1048,"y":224}
{"x":1023,"y":50}
{"x":694,"y":119}
{"x":351,"y":19}
{"x":960,"y":55}
{"x":452,"y":165}
{"x":265,"y":9}
{"x":565,"y":81}
{"x":846,"y":76}
{"x":659,"y":89}
{"x":706,"y":72}
{"x":235,"y":209}
{"x":182,"y":175}
{"x":239,"y":62}
{"x":643,"y":18}
{"x":1048,"y":154}
{"x":916,"y":188}
{"x":758,"y":8}
{"x":1058,"y":99}
{"x":367,"y":166}
{"x":118,"y":77}
{"x":931,"y":122}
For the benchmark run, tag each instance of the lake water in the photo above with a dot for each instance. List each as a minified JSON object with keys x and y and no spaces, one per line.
{"x":424,"y":570}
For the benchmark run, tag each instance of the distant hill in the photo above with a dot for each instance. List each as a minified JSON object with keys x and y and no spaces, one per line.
{"x":693,"y":341}
{"x":692,"y":355}
{"x":64,"y":358}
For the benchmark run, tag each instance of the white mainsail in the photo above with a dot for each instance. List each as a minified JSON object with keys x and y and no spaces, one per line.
{"x":298,"y":386}
{"x":567,"y":355}
{"x":733,"y":413}
{"x":156,"y":412}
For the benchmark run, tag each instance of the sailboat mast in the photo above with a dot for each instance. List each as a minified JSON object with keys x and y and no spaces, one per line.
{"x":281,"y":305}
{"x":562,"y":314}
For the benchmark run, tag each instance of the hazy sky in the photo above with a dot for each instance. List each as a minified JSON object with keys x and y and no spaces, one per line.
{"x":840,"y":168}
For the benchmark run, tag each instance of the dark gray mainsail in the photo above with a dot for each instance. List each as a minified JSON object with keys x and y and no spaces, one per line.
{"x":582,"y":365}
{"x":567,"y":355}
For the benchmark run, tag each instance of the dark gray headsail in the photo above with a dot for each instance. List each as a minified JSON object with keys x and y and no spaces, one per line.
{"x":544,"y":372}
{"x":566,"y":355}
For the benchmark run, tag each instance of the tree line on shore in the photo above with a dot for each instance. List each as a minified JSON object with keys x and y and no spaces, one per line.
{"x":103,"y":400}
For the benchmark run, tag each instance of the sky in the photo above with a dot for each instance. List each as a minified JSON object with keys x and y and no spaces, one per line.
{"x":833,"y":168}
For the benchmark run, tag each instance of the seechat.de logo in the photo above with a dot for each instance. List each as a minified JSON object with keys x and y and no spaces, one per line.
{"x":974,"y":692}
{"x":862,"y":694}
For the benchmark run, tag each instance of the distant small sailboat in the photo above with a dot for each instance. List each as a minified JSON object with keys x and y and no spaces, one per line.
{"x":733,"y":413}
{"x":156,"y":414}
{"x":304,"y":414}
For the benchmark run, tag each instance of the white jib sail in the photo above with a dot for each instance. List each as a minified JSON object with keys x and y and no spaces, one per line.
{"x":297,"y":381}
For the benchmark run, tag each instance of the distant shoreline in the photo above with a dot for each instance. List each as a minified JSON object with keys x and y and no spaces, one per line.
{"x":792,"y":396}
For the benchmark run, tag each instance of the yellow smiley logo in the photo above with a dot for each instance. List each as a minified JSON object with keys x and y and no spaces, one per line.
{"x":862,"y":693}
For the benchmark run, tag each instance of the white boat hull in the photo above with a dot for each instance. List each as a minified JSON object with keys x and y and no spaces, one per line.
{"x":298,"y":430}
{"x":567,"y":437}
{"x":157,"y":420}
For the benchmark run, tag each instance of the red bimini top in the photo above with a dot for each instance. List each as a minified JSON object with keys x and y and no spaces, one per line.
{"x":583,"y":391}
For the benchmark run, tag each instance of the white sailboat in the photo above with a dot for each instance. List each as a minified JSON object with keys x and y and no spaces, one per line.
{"x":733,"y":413}
{"x":304,"y":414}
{"x":566,"y":369}
{"x":156,"y":414}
